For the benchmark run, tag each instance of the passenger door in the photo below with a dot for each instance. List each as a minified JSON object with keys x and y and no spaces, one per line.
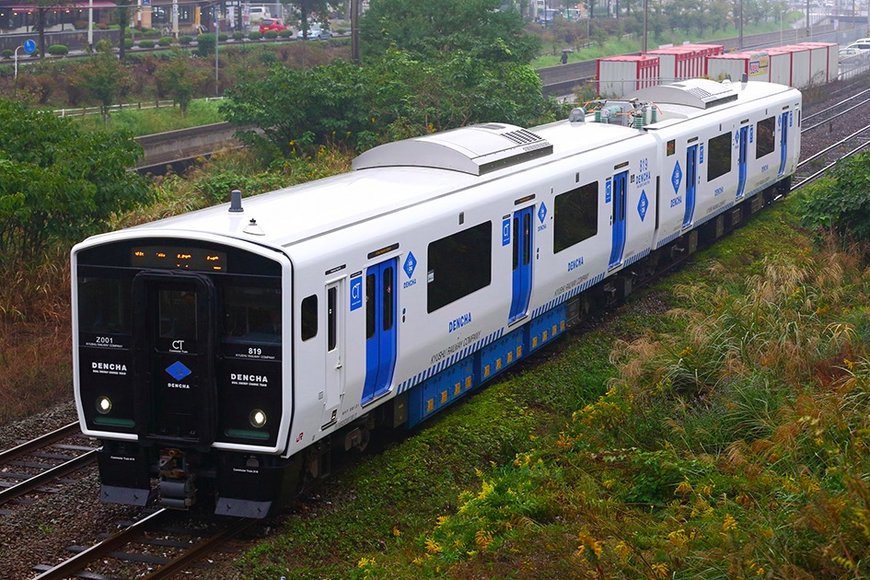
{"x":691,"y":184}
{"x":742,"y":148}
{"x":334,"y":388}
{"x":617,"y":217}
{"x":380,"y":300}
{"x":783,"y":143}
{"x":523,"y":236}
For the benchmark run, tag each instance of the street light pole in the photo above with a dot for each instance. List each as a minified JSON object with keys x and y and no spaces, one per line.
{"x":16,"y":62}
{"x":91,"y":25}
{"x":217,"y":35}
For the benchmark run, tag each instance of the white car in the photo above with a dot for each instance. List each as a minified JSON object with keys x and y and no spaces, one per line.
{"x":314,"y":31}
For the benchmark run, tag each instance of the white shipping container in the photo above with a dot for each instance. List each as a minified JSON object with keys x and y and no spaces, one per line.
{"x":622,"y":75}
{"x":800,"y":66}
{"x":734,"y":65}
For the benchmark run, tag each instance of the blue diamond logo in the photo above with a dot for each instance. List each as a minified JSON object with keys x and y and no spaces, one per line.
{"x":642,"y":205}
{"x":177,"y":370}
{"x":410,"y":264}
{"x":677,"y":177}
{"x":542,"y":212}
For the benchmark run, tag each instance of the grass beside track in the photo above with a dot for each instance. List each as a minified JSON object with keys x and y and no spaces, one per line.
{"x":716,"y":425}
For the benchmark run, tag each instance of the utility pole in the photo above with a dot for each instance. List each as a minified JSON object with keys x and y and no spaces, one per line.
{"x":354,"y":32}
{"x":740,"y":24}
{"x":645,"y":22}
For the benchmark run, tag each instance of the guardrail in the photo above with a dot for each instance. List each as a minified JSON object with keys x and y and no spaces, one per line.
{"x":84,"y":111}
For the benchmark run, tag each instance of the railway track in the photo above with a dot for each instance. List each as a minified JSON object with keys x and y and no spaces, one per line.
{"x":817,"y":164}
{"x":29,"y":467}
{"x":157,"y":546}
{"x":828,"y":114}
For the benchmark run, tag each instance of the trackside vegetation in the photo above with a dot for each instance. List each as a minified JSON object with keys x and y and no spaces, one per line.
{"x":716,"y":425}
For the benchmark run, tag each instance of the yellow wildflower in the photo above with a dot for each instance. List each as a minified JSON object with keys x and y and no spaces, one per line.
{"x":483,"y":539}
{"x":622,"y":550}
{"x":684,"y":488}
{"x":396,"y":532}
{"x":660,"y":569}
{"x":432,"y":546}
{"x":729,"y":524}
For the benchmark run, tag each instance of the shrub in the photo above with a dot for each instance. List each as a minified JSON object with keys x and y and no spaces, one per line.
{"x":128,"y":43}
{"x":150,"y":33}
{"x":185,"y":40}
{"x":271,"y":34}
{"x":7,"y":53}
{"x":842,"y":203}
{"x":255,"y":35}
{"x":205,"y":44}
{"x":80,"y":24}
{"x":238,"y":35}
{"x":165,"y":41}
{"x":223,"y":36}
{"x":146,"y":44}
{"x":58,"y":50}
{"x":285,"y":33}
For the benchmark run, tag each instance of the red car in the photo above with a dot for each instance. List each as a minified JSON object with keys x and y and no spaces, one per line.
{"x":268,"y":24}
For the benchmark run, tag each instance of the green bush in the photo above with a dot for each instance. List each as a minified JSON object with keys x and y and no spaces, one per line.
{"x":7,"y":53}
{"x":255,"y":35}
{"x":238,"y":35}
{"x":128,"y":43}
{"x":58,"y":50}
{"x":150,"y":33}
{"x":271,"y":34}
{"x":205,"y":44}
{"x":285,"y":33}
{"x":223,"y":36}
{"x":185,"y":40}
{"x":165,"y":41}
{"x":146,"y":44}
{"x":842,"y":203}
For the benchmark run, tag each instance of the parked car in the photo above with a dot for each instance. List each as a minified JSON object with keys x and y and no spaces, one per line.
{"x":268,"y":24}
{"x":315,"y":31}
{"x":258,"y":13}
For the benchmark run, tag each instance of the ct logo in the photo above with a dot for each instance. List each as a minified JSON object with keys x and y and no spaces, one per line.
{"x":177,"y":345}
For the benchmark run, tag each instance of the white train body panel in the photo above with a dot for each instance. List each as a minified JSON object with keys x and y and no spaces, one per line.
{"x":440,"y":261}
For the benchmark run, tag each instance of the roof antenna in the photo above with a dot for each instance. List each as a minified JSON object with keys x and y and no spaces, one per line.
{"x":744,"y":78}
{"x":236,"y":201}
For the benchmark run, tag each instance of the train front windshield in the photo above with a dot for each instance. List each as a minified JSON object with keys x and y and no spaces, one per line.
{"x":179,"y":342}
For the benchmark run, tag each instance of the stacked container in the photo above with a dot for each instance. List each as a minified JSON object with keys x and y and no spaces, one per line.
{"x":756,"y":65}
{"x":622,"y":75}
{"x":685,"y":61}
{"x":800,"y":65}
{"x":780,"y":65}
{"x":824,"y":61}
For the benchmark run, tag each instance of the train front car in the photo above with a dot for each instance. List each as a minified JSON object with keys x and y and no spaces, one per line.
{"x":179,"y":352}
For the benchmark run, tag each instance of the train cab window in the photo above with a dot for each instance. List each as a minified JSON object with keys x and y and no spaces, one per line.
{"x":252,"y":314}
{"x":309,"y":317}
{"x":104,"y":305}
{"x":177,"y":313}
{"x":575,"y":216}
{"x":459,"y":265}
{"x":719,"y":156}
{"x":672,"y":147}
{"x":765,"y":141}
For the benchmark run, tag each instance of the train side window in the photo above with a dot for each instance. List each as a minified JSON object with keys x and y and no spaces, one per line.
{"x":719,"y":156}
{"x":672,"y":147}
{"x":388,"y":298}
{"x":459,"y":264}
{"x":309,"y":317}
{"x":370,"y":305}
{"x":765,"y":141}
{"x":575,"y":216}
{"x":331,"y":318}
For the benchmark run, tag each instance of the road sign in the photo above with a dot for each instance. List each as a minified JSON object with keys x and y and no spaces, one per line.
{"x":29,"y":46}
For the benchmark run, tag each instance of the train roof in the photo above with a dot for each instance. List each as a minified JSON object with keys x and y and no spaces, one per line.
{"x":409,"y":172}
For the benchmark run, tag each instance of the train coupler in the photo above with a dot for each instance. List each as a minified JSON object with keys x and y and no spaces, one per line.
{"x":177,"y":486}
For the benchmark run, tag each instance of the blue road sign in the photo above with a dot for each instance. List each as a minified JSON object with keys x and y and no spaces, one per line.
{"x":29,"y":46}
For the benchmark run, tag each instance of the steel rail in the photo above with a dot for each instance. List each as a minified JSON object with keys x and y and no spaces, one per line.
{"x":39,"y":479}
{"x":832,"y":117}
{"x":806,"y":180}
{"x":180,"y":562}
{"x":833,"y":146}
{"x":39,"y":442}
{"x":846,"y":100}
{"x":78,"y":562}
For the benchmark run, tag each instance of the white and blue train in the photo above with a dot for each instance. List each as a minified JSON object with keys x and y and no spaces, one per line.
{"x":225,"y":351}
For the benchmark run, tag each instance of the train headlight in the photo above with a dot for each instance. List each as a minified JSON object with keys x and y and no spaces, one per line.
{"x":104,"y":404}
{"x":258,"y":418}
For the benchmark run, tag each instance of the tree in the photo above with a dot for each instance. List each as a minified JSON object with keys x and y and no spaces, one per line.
{"x":123,"y":22}
{"x":103,"y":77}
{"x":59,"y":183}
{"x":181,"y":77}
{"x":42,"y":8}
{"x":394,"y":97}
{"x":436,"y":27}
{"x":308,"y":7}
